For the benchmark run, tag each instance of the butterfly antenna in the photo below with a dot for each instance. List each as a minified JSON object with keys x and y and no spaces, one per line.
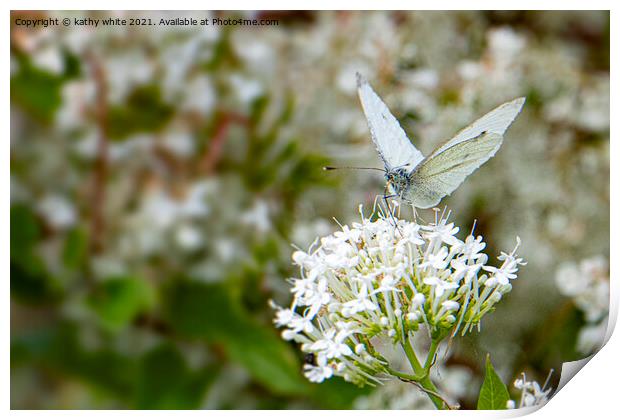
{"x":333,"y":168}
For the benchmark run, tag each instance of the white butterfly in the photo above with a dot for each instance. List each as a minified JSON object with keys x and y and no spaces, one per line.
{"x":422,"y":181}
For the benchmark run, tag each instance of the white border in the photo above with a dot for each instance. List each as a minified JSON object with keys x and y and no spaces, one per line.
{"x":592,"y":393}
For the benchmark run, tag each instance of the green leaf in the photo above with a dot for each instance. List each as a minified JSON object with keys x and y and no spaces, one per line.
{"x":30,"y":281}
{"x":36,"y":91}
{"x":144,"y":111}
{"x":258,"y":108}
{"x":268,"y":358}
{"x":493,"y":394}
{"x":118,"y":300}
{"x":209,"y":312}
{"x":157,"y":379}
{"x":72,"y":65}
{"x":75,"y":248}
{"x":59,"y":348}
{"x":201,"y":311}
{"x":25,"y":230}
{"x":223,"y":52}
{"x":165,"y":382}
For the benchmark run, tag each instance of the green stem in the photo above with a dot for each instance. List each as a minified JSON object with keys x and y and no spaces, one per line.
{"x":421,"y":373}
{"x":402,"y":375}
{"x":413,"y":359}
{"x":433,"y":394}
{"x":431,"y":355}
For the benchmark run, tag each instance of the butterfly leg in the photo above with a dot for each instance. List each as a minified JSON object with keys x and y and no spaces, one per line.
{"x":389,"y":209}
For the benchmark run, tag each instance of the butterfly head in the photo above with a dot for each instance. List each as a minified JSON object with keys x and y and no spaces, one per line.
{"x":397,"y":179}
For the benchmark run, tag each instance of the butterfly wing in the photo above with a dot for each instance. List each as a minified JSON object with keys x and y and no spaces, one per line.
{"x":389,"y":138}
{"x":496,"y":121}
{"x":448,"y":166}
{"x":442,"y":173}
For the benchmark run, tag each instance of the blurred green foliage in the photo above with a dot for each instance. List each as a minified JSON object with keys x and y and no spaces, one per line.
{"x":36,"y":91}
{"x":218,"y":320}
{"x":39,"y":91}
{"x":143,"y":112}
{"x":30,"y":281}
{"x":210,"y":313}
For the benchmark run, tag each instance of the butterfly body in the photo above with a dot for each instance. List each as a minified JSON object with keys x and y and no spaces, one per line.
{"x":398,"y":180}
{"x":424,"y":181}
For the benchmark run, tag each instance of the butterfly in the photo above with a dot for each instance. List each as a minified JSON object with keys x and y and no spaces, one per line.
{"x":424,"y":181}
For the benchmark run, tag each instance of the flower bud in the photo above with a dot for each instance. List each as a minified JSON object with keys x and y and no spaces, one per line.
{"x":418,"y":300}
{"x":451,"y":305}
{"x":505,"y":288}
{"x":413,"y":316}
{"x":298,"y":257}
{"x":495,"y":297}
{"x":490,"y":282}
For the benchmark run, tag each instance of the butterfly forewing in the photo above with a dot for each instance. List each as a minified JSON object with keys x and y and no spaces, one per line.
{"x":442,"y":172}
{"x":389,"y":138}
{"x":496,"y":121}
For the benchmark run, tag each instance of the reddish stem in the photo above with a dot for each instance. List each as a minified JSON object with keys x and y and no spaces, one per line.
{"x":100,"y":167}
{"x":214,"y":151}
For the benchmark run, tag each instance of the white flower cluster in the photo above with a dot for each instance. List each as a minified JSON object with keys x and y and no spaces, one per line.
{"x":386,"y":278}
{"x":532,"y":394}
{"x":588,"y":284}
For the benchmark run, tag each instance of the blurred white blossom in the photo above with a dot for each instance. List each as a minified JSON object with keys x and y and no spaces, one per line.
{"x":587,"y":283}
{"x":591,"y":337}
{"x":58,"y":211}
{"x":257,"y":216}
